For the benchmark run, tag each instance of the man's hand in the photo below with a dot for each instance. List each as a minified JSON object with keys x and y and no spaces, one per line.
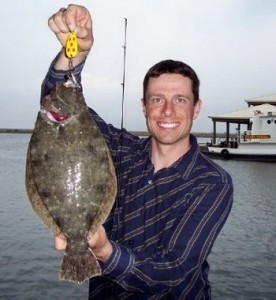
{"x":98,"y":243}
{"x":75,"y":19}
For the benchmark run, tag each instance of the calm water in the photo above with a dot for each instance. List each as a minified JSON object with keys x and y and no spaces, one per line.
{"x":243,"y":264}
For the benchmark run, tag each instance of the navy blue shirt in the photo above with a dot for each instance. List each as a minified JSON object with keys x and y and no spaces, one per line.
{"x":164,"y":224}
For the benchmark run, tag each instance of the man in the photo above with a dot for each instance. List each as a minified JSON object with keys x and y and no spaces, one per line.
{"x":172,"y":201}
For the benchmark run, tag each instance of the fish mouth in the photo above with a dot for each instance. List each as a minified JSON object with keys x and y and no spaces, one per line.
{"x":54,"y":116}
{"x":57,"y":117}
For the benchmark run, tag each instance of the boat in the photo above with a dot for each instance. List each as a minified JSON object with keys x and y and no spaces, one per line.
{"x":258,"y":143}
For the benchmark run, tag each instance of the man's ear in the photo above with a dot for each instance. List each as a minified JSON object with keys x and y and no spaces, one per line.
{"x":197,"y":109}
{"x":143,"y":106}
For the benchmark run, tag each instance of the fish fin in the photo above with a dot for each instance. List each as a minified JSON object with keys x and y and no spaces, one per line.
{"x":35,"y":200}
{"x":78,"y":267}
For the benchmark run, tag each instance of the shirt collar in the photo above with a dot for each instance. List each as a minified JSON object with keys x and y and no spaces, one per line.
{"x":184,"y":165}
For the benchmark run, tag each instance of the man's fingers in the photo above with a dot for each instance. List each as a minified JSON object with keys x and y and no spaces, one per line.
{"x":78,"y":16}
{"x":60,"y":242}
{"x":57,"y":22}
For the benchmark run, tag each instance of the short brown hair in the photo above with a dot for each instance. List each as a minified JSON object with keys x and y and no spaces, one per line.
{"x":172,"y":67}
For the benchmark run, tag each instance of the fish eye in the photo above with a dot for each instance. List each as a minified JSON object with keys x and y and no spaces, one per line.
{"x":60,"y":106}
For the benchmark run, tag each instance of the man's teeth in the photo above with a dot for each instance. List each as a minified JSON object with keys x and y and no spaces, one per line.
{"x":168,"y":125}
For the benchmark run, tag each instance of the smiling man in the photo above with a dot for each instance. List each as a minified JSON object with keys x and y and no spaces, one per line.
{"x":172,"y":201}
{"x":170,"y":106}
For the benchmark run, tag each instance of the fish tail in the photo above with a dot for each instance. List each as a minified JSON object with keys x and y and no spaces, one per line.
{"x":77,"y":266}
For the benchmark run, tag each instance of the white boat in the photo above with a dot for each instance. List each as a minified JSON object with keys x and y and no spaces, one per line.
{"x":256,"y":144}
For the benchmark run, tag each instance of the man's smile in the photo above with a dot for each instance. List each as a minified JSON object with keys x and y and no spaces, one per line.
{"x":168,"y":125}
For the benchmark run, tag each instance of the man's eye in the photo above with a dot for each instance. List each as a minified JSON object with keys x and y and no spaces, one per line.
{"x":181,"y":100}
{"x":155,"y":100}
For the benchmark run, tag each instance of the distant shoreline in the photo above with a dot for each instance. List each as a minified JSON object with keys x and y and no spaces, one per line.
{"x":138,"y":133}
{"x":15,"y":130}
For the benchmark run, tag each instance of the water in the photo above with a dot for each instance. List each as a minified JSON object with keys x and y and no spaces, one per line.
{"x":243,"y":264}
{"x":28,"y":262}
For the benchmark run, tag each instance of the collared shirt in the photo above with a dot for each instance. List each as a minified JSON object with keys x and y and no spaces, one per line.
{"x":163,"y":224}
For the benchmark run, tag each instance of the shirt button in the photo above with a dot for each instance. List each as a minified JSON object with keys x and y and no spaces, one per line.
{"x":150,"y":181}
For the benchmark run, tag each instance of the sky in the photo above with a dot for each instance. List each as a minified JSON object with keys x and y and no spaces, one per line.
{"x":231,"y":44}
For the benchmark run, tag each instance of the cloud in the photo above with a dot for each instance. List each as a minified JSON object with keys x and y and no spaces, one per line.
{"x":231,"y":44}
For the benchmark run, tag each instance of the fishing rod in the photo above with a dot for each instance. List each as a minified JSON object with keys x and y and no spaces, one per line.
{"x":124,"y":77}
{"x":119,"y":158}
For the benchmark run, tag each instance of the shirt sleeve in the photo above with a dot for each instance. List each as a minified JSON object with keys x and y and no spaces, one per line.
{"x":185,"y":250}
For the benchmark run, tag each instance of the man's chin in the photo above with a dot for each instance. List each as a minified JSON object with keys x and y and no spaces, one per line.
{"x":164,"y":140}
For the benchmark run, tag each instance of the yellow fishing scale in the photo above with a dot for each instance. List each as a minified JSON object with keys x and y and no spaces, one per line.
{"x":71,"y":48}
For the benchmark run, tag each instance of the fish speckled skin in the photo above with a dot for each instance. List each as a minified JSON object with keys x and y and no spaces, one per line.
{"x":70,"y":176}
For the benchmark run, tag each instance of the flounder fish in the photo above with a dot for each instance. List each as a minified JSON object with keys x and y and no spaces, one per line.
{"x":70,"y":176}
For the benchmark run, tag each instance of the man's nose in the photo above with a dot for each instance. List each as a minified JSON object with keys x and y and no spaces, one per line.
{"x":168,"y":108}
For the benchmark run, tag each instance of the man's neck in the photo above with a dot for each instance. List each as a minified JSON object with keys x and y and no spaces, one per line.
{"x":163,"y":156}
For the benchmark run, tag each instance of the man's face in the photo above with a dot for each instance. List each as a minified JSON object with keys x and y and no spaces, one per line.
{"x":169,"y":108}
